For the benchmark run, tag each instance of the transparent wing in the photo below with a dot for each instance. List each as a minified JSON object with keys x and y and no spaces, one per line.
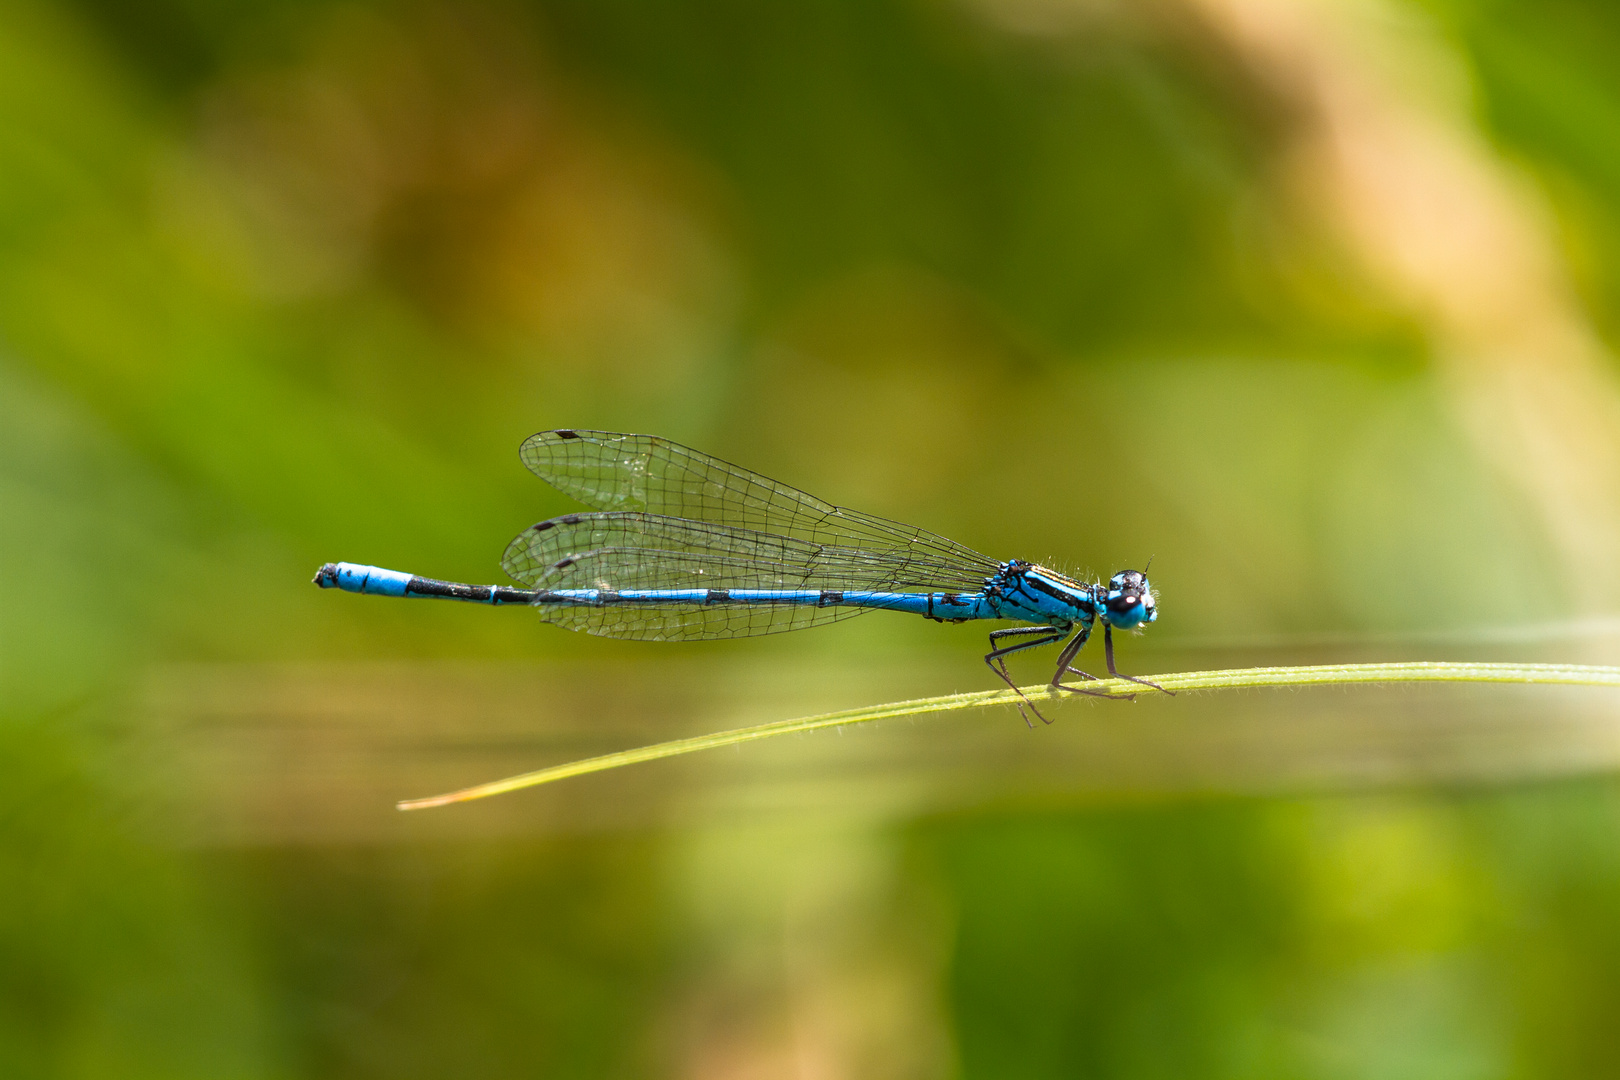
{"x":640,"y":568}
{"x":614,"y":472}
{"x":785,"y":562}
{"x":622,"y":551}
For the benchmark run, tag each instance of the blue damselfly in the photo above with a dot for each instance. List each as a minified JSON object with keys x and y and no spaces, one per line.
{"x":681,"y":546}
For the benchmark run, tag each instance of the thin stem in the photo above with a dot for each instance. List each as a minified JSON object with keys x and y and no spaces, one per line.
{"x":1238,"y":678}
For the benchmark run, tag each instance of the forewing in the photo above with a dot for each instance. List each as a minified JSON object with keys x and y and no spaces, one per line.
{"x":616,"y":472}
{"x":744,"y":558}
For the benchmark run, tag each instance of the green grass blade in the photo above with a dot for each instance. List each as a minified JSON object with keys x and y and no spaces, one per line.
{"x":1238,"y":678}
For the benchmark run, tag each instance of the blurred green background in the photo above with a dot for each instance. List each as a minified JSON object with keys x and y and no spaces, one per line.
{"x":1315,"y":303}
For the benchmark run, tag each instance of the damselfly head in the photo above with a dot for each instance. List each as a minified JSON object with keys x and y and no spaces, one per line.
{"x":1130,"y":601}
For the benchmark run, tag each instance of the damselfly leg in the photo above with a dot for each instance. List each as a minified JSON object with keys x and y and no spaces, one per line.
{"x":1108,"y":651}
{"x":996,"y":659}
{"x":1066,"y":665}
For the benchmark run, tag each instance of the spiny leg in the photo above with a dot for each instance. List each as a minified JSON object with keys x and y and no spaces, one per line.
{"x":996,"y":659}
{"x":997,"y":662}
{"x":1066,"y":659}
{"x":1108,"y":651}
